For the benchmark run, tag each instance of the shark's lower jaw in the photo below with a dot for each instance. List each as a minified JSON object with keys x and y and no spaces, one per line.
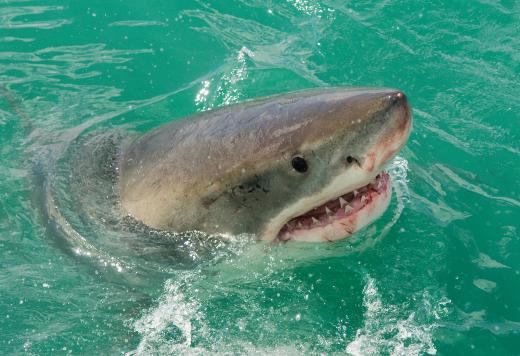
{"x":341,"y":216}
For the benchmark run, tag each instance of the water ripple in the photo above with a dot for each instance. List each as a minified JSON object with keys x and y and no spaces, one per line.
{"x":8,"y":17}
{"x":474,"y":188}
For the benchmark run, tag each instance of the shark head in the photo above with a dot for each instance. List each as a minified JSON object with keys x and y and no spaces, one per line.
{"x":305,"y":166}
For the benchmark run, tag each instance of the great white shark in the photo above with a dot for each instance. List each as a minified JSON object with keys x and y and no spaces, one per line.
{"x":304,"y":166}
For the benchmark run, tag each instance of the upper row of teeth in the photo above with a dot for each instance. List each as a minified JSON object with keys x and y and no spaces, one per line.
{"x":347,"y":208}
{"x":343,"y":204}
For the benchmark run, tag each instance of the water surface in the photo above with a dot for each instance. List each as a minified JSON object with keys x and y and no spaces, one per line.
{"x":439,"y":273}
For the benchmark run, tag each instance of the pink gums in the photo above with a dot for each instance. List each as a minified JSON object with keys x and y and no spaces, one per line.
{"x":342,"y":212}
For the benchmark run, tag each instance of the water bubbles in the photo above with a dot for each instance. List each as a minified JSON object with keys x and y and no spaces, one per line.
{"x":27,"y":346}
{"x":203,"y":93}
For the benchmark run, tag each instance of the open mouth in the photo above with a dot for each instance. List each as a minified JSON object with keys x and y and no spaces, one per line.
{"x":342,"y":215}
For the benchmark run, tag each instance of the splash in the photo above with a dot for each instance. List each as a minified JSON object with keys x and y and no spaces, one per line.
{"x":226,"y":91}
{"x":387,"y":331}
{"x":168,"y":328}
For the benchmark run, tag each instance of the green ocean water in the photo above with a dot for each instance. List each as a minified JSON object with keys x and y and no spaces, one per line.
{"x":439,"y":273}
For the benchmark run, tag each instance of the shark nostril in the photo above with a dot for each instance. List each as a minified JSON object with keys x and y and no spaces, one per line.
{"x":351,"y":159}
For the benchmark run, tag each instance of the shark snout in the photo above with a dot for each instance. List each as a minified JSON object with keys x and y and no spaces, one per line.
{"x":398,"y":100}
{"x":401,"y":114}
{"x":393,"y":134}
{"x":397,"y":97}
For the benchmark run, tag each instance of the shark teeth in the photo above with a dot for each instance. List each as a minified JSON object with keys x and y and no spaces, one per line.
{"x":328,"y":211}
{"x":333,"y":212}
{"x":342,"y":202}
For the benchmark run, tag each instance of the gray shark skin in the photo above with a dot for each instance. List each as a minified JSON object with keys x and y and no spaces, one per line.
{"x":232,"y":170}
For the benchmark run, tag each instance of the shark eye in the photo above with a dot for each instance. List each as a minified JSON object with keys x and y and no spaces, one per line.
{"x":299,"y":164}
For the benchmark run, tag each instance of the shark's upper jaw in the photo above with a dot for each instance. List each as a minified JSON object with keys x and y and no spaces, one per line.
{"x":340,"y":216}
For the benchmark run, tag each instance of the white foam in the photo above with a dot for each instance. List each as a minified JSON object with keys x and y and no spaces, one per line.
{"x":175,"y":312}
{"x":387,"y":331}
